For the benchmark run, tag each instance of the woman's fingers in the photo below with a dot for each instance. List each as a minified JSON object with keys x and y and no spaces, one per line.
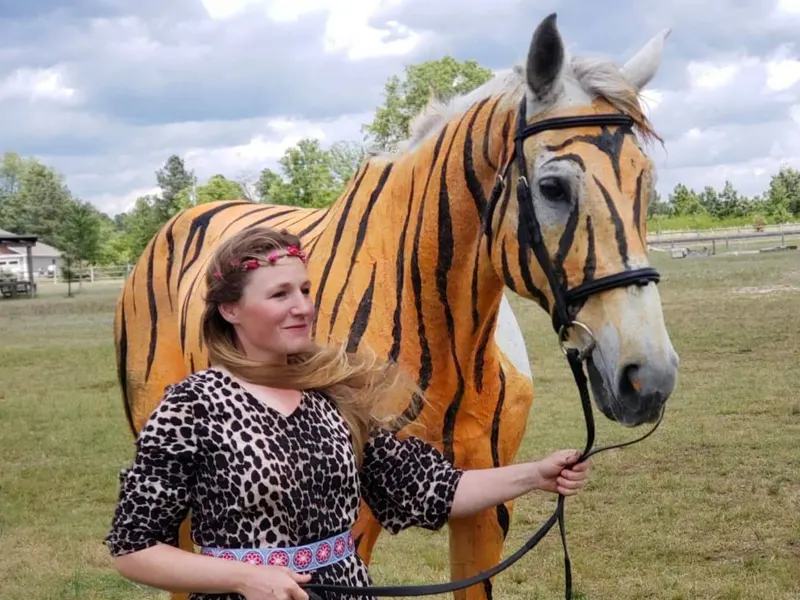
{"x":574,"y":475}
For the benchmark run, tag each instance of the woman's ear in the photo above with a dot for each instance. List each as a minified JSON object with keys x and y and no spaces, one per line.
{"x":229,"y":312}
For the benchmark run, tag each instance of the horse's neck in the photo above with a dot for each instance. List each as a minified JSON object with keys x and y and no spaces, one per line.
{"x":419,"y":217}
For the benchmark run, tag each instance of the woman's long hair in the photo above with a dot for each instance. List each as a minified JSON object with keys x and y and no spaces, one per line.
{"x":359,"y":383}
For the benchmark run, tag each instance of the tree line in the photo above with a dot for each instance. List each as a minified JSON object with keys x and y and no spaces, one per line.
{"x":34,"y":199}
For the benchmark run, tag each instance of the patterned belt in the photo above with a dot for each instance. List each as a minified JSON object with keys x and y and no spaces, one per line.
{"x":297,"y":558}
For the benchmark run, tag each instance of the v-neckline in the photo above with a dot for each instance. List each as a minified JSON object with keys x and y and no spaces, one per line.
{"x":260,"y":403}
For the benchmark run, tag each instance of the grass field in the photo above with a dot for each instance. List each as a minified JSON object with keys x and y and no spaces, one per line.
{"x":707,"y":508}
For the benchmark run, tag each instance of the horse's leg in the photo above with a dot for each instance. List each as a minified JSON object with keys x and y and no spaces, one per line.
{"x":366,"y":532}
{"x":476,"y":542}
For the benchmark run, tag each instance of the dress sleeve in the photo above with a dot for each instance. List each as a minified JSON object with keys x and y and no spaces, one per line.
{"x":155,"y":492}
{"x":407,"y":483}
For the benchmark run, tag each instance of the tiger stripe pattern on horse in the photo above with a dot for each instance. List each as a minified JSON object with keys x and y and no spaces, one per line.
{"x":412,"y":262}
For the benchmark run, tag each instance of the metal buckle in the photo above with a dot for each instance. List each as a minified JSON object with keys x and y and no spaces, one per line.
{"x":585,"y":352}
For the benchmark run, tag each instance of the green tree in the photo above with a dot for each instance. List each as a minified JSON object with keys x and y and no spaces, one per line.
{"x":80,"y":236}
{"x":172,"y":178}
{"x":217,"y":188}
{"x":685,"y":201}
{"x":269,"y":187}
{"x":311,"y":176}
{"x":140,"y":225}
{"x":345,"y":158}
{"x":12,"y":168}
{"x":657,"y":206}
{"x":36,"y":201}
{"x":783,"y":196}
{"x":114,"y":247}
{"x":709,"y":200}
{"x":405,"y":97}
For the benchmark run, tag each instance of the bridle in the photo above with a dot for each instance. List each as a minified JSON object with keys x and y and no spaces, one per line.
{"x":566,"y":305}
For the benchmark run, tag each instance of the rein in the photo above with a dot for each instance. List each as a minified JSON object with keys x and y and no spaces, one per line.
{"x":566,"y":305}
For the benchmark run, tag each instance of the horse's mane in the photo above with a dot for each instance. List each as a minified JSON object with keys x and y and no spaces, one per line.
{"x":598,"y":78}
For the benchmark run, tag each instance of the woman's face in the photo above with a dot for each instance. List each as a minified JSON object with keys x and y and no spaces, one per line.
{"x":274,"y":315}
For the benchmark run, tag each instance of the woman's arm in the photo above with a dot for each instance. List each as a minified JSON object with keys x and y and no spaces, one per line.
{"x":480,"y":489}
{"x":168,"y":568}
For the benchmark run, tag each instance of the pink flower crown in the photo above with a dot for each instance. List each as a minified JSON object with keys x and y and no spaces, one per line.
{"x":272,"y":258}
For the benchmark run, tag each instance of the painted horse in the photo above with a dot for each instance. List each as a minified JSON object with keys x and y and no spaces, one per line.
{"x":411,"y":261}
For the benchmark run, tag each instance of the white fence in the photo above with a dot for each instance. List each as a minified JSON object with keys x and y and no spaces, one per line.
{"x":87,"y":274}
{"x":721,"y":232}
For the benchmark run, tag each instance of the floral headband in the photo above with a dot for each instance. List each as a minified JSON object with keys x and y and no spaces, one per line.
{"x":254,"y":263}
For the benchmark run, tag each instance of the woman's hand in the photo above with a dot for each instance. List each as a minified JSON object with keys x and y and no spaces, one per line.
{"x":557,"y":476}
{"x":273,"y":583}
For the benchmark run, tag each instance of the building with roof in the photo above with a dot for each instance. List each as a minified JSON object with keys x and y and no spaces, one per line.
{"x":46,"y":260}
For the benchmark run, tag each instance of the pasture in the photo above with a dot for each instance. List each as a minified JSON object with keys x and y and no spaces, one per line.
{"x":707,"y":508}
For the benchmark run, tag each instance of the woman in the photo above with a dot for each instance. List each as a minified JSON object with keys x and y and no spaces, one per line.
{"x":273,"y":447}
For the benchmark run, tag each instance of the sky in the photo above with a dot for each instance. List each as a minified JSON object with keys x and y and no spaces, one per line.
{"x":104,"y":91}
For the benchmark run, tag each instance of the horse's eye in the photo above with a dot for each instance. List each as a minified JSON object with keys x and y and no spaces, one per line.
{"x":554,"y":189}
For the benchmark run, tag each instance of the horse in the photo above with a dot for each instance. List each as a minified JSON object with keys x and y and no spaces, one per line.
{"x":417,"y":257}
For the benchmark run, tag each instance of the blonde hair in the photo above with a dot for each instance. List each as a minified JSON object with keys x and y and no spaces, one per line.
{"x":358,"y":383}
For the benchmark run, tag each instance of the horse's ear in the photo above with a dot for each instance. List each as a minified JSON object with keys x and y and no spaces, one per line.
{"x":545,"y":60}
{"x":643,"y":66}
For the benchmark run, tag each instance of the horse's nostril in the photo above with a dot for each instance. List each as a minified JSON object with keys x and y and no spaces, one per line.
{"x":631,"y":383}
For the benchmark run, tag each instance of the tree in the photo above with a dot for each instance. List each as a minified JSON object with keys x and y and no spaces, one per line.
{"x":783,"y":195}
{"x":248,"y":182}
{"x":405,"y":98}
{"x":114,"y":247}
{"x":268,"y":187}
{"x":709,"y":200}
{"x":80,"y":235}
{"x":312,"y":176}
{"x":11,"y":170}
{"x":345,"y":158}
{"x":36,"y":202}
{"x":657,"y":206}
{"x":173,"y":178}
{"x":684,"y":201}
{"x":217,"y":188}
{"x":140,"y":225}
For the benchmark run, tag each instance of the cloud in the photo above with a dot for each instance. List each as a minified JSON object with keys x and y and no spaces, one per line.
{"x":106,"y":90}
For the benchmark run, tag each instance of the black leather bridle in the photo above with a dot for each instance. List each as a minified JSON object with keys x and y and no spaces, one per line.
{"x":566,"y":304}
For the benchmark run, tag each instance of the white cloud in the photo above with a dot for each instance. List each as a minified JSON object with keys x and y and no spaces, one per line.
{"x":782,"y":72}
{"x":265,"y":149}
{"x":706,"y":75}
{"x":789,"y":6}
{"x":225,"y":9}
{"x":347,"y":28}
{"x":106,"y":94}
{"x":36,"y":85}
{"x":652,"y":99}
{"x":113,"y":204}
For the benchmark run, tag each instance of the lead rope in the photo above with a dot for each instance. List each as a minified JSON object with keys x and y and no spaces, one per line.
{"x":576,"y":364}
{"x":530,"y":234}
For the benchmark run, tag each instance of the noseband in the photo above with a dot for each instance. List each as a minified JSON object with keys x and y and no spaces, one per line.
{"x":567,"y":303}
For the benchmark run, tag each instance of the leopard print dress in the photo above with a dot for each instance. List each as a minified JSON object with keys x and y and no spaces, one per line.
{"x":253,"y":477}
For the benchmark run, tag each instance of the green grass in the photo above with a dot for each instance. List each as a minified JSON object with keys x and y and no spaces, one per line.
{"x":706,"y":509}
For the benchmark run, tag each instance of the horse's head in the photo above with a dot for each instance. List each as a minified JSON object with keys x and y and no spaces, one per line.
{"x":585,"y":189}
